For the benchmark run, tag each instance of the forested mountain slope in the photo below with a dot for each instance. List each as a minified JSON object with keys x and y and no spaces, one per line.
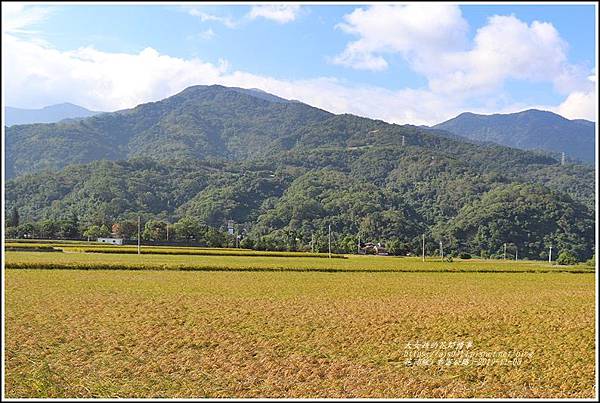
{"x":283,"y":171}
{"x":529,"y":130}
{"x":200,"y":122}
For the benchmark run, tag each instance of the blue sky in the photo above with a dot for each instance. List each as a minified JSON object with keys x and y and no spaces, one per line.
{"x":411,"y":63}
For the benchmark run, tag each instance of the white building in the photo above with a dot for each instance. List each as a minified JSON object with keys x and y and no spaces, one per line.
{"x":112,"y":241}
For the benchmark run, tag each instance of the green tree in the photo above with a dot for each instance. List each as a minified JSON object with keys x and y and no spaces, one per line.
{"x":155,"y":230}
{"x":247,"y":243}
{"x":566,"y":258}
{"x":126,"y":229}
{"x":48,"y":229}
{"x":68,"y":228}
{"x":214,"y":238}
{"x":11,"y":233}
{"x":13,"y":220}
{"x":187,"y":228}
{"x":27,"y":230}
{"x":349,"y":244}
{"x":96,"y":231}
{"x":398,"y":247}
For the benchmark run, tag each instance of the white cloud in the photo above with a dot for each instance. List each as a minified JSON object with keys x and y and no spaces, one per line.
{"x":227,"y":21}
{"x":432,"y":38}
{"x":417,"y":31}
{"x":280,"y":13}
{"x":16,"y":17}
{"x":208,"y":34}
{"x":507,"y":48}
{"x":355,"y":58}
{"x":36,"y":75}
{"x":205,"y":35}
{"x":579,"y":105}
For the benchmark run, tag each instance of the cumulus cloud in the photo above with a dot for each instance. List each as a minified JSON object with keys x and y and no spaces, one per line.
{"x":36,"y":75}
{"x":417,"y":31}
{"x":17,"y":18}
{"x":579,"y":105}
{"x":507,"y":48}
{"x":433,"y":39}
{"x":204,"y":16}
{"x":39,"y":75}
{"x":280,"y":13}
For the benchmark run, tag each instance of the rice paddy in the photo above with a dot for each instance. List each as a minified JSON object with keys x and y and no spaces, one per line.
{"x":260,"y":326}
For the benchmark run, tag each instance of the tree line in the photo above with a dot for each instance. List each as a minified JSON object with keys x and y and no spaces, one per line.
{"x":386,"y":194}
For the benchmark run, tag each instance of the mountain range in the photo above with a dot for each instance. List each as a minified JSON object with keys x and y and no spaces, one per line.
{"x":48,"y":114}
{"x":284,"y":170}
{"x":529,"y":130}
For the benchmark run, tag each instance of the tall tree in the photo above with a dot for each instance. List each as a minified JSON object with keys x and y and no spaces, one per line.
{"x":13,"y":220}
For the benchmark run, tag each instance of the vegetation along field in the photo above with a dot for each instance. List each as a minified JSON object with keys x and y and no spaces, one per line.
{"x":320,"y":217}
{"x":214,"y":168}
{"x":274,"y":326}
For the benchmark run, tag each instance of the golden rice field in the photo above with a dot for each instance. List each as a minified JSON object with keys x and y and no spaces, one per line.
{"x":86,"y":247}
{"x":114,"y":261}
{"x":383,"y":332}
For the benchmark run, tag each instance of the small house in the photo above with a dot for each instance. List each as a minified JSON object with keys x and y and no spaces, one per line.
{"x":112,"y":241}
{"x":371,"y":248}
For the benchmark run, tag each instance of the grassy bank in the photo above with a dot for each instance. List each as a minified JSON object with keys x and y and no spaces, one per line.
{"x":114,"y":261}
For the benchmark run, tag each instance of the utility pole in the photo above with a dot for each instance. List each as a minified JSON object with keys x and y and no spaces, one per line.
{"x":550,"y":255}
{"x":139,"y":237}
{"x":330,"y":241}
{"x":516,"y":253}
{"x":167,"y":231}
{"x":504,"y":250}
{"x":423,"y":247}
{"x":441,"y":250}
{"x":358,"y":246}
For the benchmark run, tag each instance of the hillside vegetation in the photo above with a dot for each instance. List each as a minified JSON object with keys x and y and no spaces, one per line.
{"x":283,"y":171}
{"x":530,"y":130}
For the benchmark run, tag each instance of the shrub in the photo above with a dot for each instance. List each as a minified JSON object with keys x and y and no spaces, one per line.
{"x":247,"y":243}
{"x":592,"y":261}
{"x":464,"y":255}
{"x":566,"y":258}
{"x":11,"y":232}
